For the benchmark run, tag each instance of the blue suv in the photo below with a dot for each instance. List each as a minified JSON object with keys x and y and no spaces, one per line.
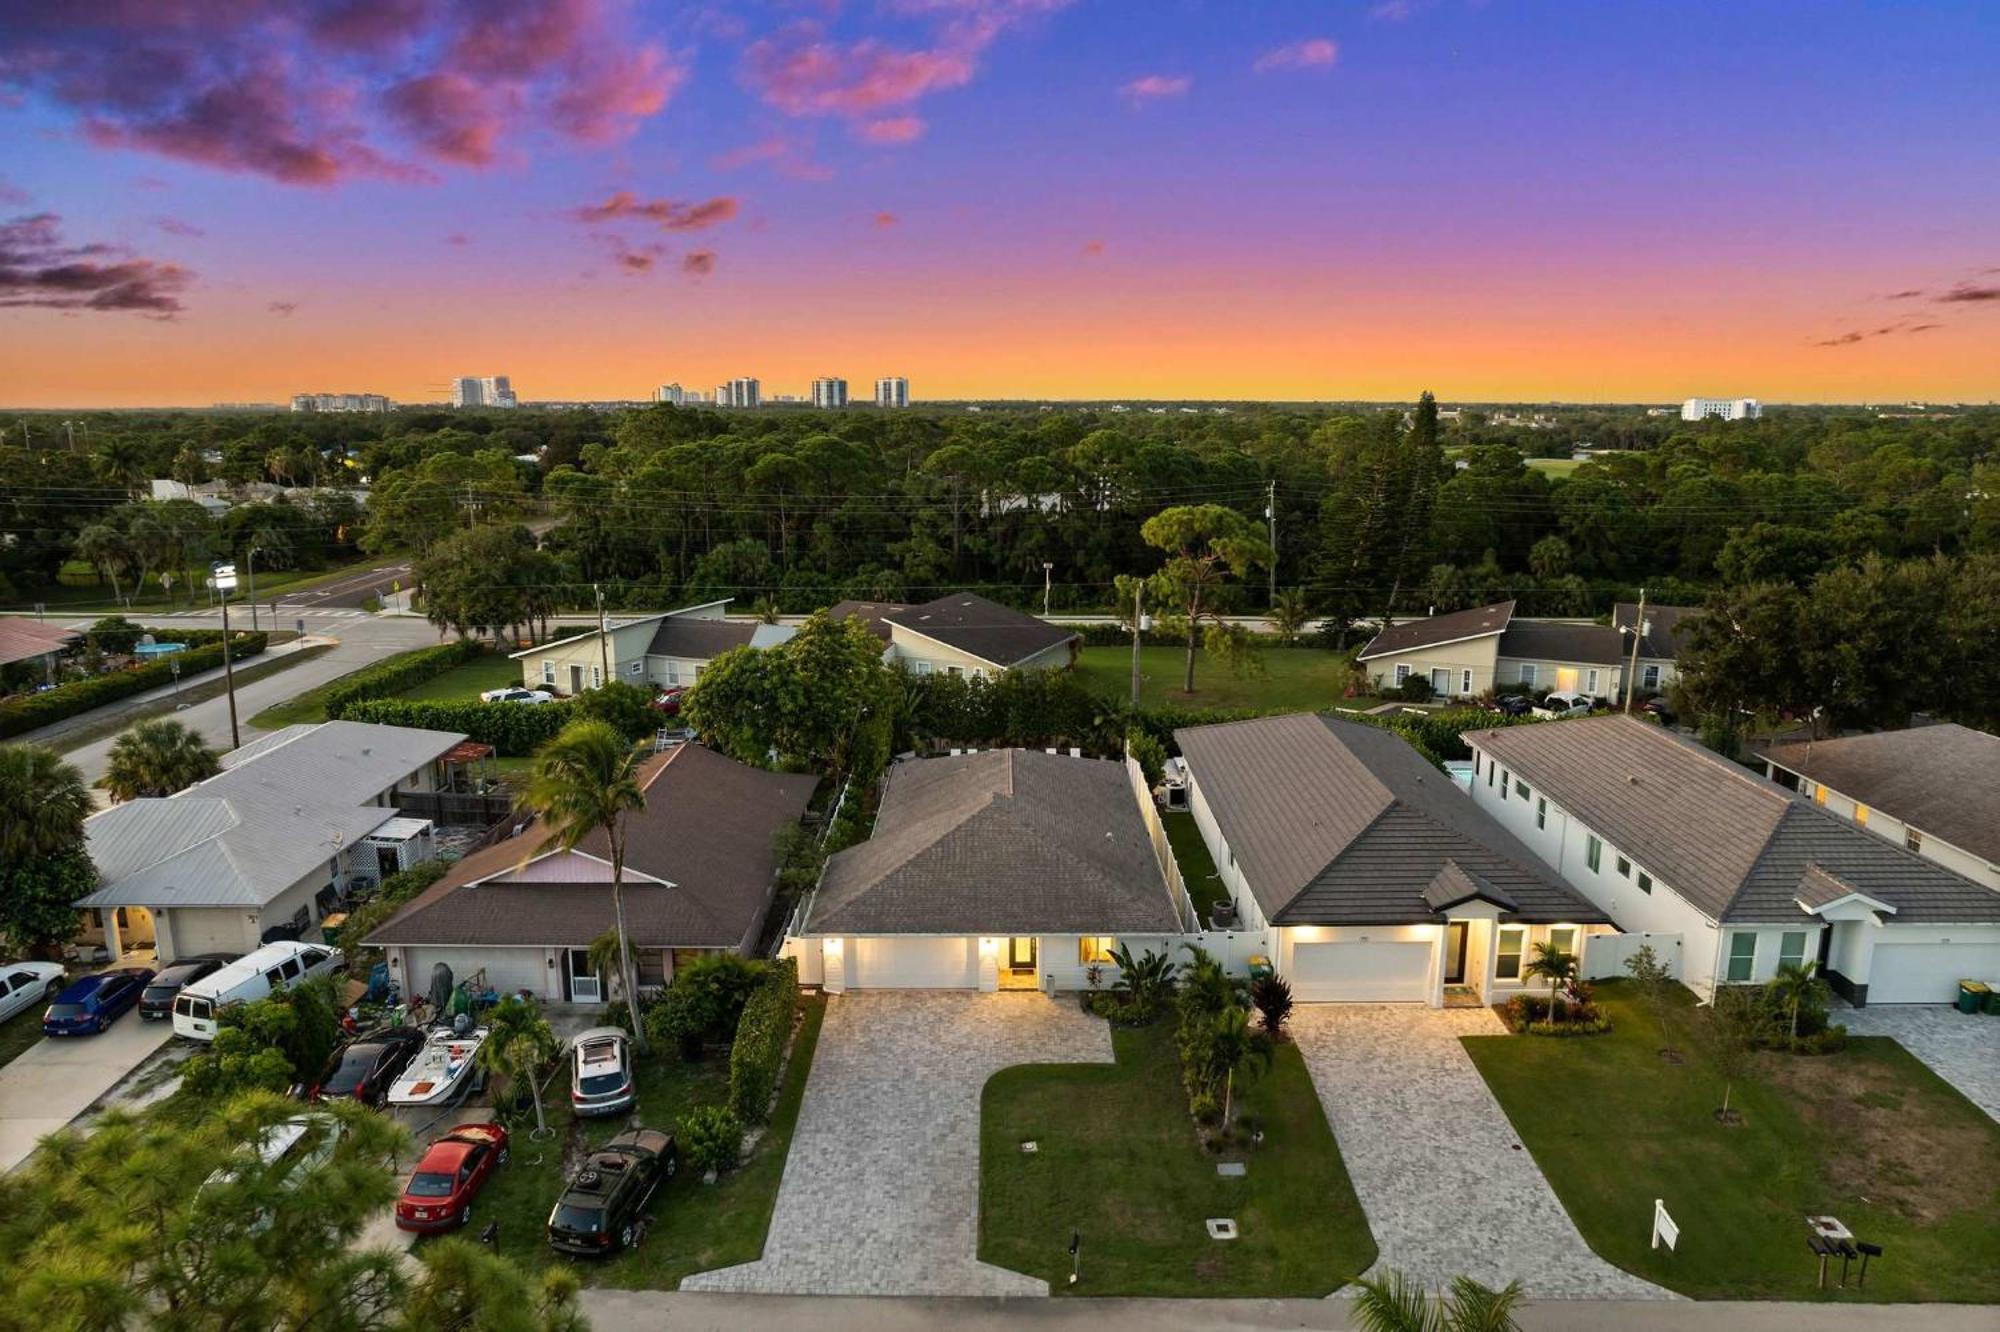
{"x":95,"y":1002}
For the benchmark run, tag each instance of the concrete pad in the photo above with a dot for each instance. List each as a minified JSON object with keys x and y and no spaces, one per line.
{"x":53,"y":1082}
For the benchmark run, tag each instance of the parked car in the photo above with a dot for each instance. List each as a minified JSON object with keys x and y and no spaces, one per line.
{"x":1661,"y":709}
{"x":601,"y":1206}
{"x":289,"y":1149}
{"x":25,"y":984}
{"x":1511,"y":705}
{"x":668,"y":700}
{"x":449,"y":1175}
{"x":93,"y":1003}
{"x":516,"y":694}
{"x":156,"y":1001}
{"x":364,"y":1067}
{"x":600,"y":1080}
{"x":255,"y":976}
{"x":1561,"y":704}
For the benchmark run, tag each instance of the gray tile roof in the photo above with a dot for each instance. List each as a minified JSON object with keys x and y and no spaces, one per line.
{"x":1453,"y":885}
{"x":1731,"y":843}
{"x":273,"y":815}
{"x":1010,"y":841}
{"x":1938,"y":778}
{"x":1410,"y":635}
{"x":1543,"y":640}
{"x":709,"y":829}
{"x":1338,"y":823}
{"x":986,"y":629}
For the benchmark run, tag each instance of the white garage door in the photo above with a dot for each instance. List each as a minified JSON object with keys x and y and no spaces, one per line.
{"x":913,"y":964}
{"x":195,"y":931}
{"x":1362,"y":972}
{"x":1928,"y":973}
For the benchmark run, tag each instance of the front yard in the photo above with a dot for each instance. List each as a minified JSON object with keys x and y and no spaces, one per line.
{"x":1298,"y":678}
{"x":695,"y":1226}
{"x":464,"y":684}
{"x":1869,"y":1135}
{"x":1117,"y":1160}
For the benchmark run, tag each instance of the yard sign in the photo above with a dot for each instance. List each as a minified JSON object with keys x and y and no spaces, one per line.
{"x":1664,"y":1229}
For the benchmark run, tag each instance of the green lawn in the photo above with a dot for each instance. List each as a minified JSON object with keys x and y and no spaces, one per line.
{"x":696,"y":1227}
{"x":1869,"y":1135}
{"x":311,"y":705}
{"x":1119,"y":1162}
{"x":21,"y":1031}
{"x":464,"y":684}
{"x":1198,"y":871}
{"x":1308,"y":679}
{"x":1554,"y":466}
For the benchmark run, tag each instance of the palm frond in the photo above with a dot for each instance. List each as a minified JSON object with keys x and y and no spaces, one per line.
{"x":1393,"y":1302}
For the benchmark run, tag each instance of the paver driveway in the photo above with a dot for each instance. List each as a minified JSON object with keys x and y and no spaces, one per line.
{"x":1961,"y":1048}
{"x":1447,"y":1186}
{"x":881,"y":1191}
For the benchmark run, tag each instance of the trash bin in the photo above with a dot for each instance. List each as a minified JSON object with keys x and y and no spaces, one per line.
{"x":1260,"y":966}
{"x":1973,"y":995}
{"x":329,"y":927}
{"x":1993,"y":1002}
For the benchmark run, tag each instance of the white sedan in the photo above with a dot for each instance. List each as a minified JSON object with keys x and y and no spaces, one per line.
{"x":516,"y":694}
{"x":23,"y":985}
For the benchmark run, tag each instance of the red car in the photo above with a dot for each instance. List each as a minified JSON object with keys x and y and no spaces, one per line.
{"x":668,"y":700}
{"x":440,"y":1190}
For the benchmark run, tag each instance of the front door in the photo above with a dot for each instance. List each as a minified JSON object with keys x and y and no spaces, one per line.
{"x":1441,"y":681}
{"x":584,"y":987}
{"x":1454,"y":952}
{"x":1021,"y":953}
{"x":575,"y":680}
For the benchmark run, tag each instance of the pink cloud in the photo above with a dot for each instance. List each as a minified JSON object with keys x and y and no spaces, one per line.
{"x":173,"y":226}
{"x":786,"y":156}
{"x":698,"y":263}
{"x":668,"y":215}
{"x":458,"y":238}
{"x":454,"y":118}
{"x":892,"y":129}
{"x":1312,"y":53}
{"x":39,"y":270}
{"x":1092,"y":249}
{"x":1153,"y":87}
{"x":885,"y":219}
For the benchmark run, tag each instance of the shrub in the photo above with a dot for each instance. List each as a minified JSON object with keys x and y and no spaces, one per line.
{"x":1415,"y":689}
{"x":1150,"y":754}
{"x":404,"y":671}
{"x":28,"y":712}
{"x":626,"y":708}
{"x":1121,"y":1010}
{"x":712,"y":1136}
{"x":704,"y":1002}
{"x":270,"y":1043}
{"x":514,"y":729}
{"x":396,"y":890}
{"x":114,"y":633}
{"x":1271,"y":996}
{"x":1530,"y":1013}
{"x":759,"y":1048}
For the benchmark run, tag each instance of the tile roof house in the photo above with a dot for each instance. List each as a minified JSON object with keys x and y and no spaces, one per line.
{"x":701,"y":861}
{"x":1670,"y":838}
{"x":1365,"y":873}
{"x":1000,"y":870}
{"x":1471,"y":651}
{"x":1929,"y":789}
{"x":272,"y":840}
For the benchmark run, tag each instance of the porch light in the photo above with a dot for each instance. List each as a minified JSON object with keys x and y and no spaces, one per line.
{"x":833,"y":947}
{"x":989,"y":947}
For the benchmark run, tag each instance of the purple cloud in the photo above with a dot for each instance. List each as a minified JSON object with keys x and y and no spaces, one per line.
{"x":1966,"y":293}
{"x":282,"y":309}
{"x":624,"y":206}
{"x":37,"y":269}
{"x":1312,"y":53}
{"x":698,"y":263}
{"x":1153,"y":87}
{"x":173,"y":226}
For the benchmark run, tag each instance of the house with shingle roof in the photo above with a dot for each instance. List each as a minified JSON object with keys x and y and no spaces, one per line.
{"x":653,"y":651}
{"x":1364,"y":873}
{"x":1469,"y":652}
{"x":1667,"y":837}
{"x":701,"y":866}
{"x":963,"y":633}
{"x":1009,"y":869}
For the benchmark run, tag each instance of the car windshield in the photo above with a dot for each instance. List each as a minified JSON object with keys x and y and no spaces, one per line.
{"x":429,"y":1184}
{"x":67,"y":1010}
{"x":160,"y":992}
{"x":585,"y":1220}
{"x":597,"y":1084}
{"x":353,"y":1067}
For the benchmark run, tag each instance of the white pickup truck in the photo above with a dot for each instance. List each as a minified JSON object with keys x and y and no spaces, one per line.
{"x":1564,"y":705}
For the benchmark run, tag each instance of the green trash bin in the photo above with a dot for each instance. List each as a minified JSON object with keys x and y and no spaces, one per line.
{"x":1973,"y":995}
{"x":1260,"y":966}
{"x":1993,"y":1002}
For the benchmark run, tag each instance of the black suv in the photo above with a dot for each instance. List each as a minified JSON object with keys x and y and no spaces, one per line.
{"x":156,"y":1001}
{"x":599,"y":1211}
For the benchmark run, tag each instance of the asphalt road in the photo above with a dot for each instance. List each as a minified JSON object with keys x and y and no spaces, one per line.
{"x":349,"y":591}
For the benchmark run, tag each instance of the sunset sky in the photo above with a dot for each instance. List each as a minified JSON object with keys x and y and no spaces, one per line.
{"x":237,"y":200}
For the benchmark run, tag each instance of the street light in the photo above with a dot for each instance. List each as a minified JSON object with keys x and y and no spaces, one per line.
{"x":1048,"y":570}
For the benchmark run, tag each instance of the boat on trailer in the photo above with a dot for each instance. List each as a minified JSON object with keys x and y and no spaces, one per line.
{"x":443,"y":1069}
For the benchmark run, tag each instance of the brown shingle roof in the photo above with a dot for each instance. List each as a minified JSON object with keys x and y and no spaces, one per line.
{"x":1011,"y":841}
{"x":986,"y":629}
{"x":1479,"y":622}
{"x":874,"y":614}
{"x":1533,"y":640}
{"x":1939,"y":779}
{"x":708,"y":829}
{"x":700,"y":639}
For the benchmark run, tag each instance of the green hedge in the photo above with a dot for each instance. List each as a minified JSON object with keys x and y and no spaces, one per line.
{"x":514,"y":729}
{"x":406,"y":670}
{"x":29,"y":712}
{"x":759,"y":1047}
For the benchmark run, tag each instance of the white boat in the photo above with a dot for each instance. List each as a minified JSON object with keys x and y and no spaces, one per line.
{"x":441,"y":1070}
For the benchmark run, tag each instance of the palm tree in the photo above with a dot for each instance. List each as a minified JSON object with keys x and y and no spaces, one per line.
{"x":1394,"y":1303}
{"x":1557,"y":968}
{"x":519,"y":1041}
{"x":43,"y":803}
{"x":157,"y":758}
{"x":584,"y":781}
{"x":1290,"y":610}
{"x":1796,"y":987}
{"x":606,"y":959}
{"x":1235,"y":1046}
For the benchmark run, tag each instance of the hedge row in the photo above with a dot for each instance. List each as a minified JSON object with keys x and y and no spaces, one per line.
{"x":759,"y":1048}
{"x":514,"y":729}
{"x":403,"y":671}
{"x":29,"y":712}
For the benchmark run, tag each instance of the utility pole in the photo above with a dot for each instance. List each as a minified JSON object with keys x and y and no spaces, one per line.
{"x":1048,"y":571}
{"x":1138,"y":624}
{"x":253,"y":591}
{"x":603,"y":634}
{"x":1271,"y":515}
{"x":1632,"y":670}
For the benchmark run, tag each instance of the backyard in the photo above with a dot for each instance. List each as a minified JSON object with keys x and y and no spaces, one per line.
{"x":1869,"y":1135}
{"x":489,"y":670}
{"x":1198,"y":872}
{"x":696,"y":1227}
{"x":1301,"y":678}
{"x":1117,"y":1161}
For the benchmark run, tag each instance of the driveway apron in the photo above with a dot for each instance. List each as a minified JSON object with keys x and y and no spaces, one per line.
{"x":1448,"y":1188}
{"x":1961,"y":1048}
{"x":881,"y":1192}
{"x":54,"y":1081}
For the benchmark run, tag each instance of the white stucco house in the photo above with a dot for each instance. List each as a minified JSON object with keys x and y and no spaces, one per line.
{"x":1469,"y":652}
{"x":1670,"y":838}
{"x":654,"y":651}
{"x":962,"y":634}
{"x":1364,"y":874}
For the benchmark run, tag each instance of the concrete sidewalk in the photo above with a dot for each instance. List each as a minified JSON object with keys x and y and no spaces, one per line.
{"x":52,"y":734}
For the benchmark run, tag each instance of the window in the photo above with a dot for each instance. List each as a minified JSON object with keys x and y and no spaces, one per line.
{"x":1402,"y":672}
{"x":652,"y":966}
{"x":1649,"y":678}
{"x":1742,"y":957}
{"x":1465,"y":686}
{"x":1521,"y":789}
{"x":1645,"y":882}
{"x":1792,"y":948}
{"x":1094,"y":949}
{"x":548,"y":672}
{"x":1624,"y":868}
{"x":1491,"y":768}
{"x":923,"y":668}
{"x":953,"y":670}
{"x":635,"y":668}
{"x":1562,"y":939}
{"x":1590,"y":681}
{"x":1861,"y":815}
{"x":1819,"y":793}
{"x":1542,"y":812}
{"x":1528,"y":674}
{"x":1593,"y":853}
{"x":1477,"y":759}
{"x":1507,"y":955}
{"x":597,"y":676}
{"x":1912,"y":840}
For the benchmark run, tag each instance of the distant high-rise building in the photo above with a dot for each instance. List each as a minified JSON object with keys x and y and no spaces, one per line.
{"x":672,"y":394}
{"x":741,"y":392}
{"x":483,"y":391}
{"x":1729,"y":409}
{"x":339,"y":402}
{"x":830,"y":392}
{"x":892,"y":391}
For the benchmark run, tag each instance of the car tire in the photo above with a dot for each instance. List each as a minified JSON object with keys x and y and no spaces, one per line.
{"x":55,"y":988}
{"x":627,"y":1235}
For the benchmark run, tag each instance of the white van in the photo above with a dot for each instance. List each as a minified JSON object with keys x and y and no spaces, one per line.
{"x":255,"y":976}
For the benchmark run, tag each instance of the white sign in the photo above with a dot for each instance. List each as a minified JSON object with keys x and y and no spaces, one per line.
{"x":1664,"y":1229}
{"x":224,"y":578}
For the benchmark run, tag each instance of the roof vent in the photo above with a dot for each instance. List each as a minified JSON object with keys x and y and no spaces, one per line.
{"x":1632,"y":777}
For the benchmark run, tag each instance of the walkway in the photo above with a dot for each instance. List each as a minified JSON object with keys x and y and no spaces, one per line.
{"x":53,"y":1082}
{"x":1447,"y":1186}
{"x":881,"y":1191}
{"x":1961,"y":1048}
